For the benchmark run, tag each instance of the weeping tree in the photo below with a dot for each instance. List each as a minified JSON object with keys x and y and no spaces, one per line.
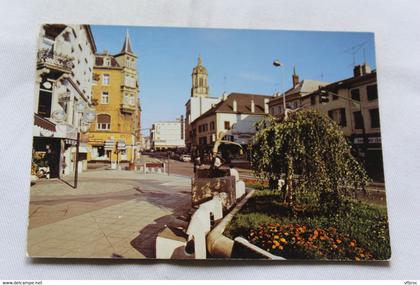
{"x":309,"y":151}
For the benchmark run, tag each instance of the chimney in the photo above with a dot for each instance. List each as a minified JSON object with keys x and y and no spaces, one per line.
{"x":224,"y":96}
{"x":266,"y":106}
{"x":252,"y":106}
{"x":295,"y":78}
{"x":235,"y":106}
{"x":361,"y":69}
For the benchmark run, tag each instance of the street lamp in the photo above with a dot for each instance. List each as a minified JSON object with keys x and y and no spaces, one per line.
{"x":86,"y":117}
{"x":277,"y":63}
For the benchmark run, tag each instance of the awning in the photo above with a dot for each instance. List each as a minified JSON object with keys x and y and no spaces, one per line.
{"x":109,"y":144}
{"x":44,"y":123}
{"x":121,"y":145}
{"x":82,"y":149}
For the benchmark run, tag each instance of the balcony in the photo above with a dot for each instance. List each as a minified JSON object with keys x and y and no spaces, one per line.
{"x":56,"y":63}
{"x":127,"y":109}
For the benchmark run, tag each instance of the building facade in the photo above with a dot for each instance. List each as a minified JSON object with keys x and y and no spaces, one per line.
{"x":115,"y":137}
{"x":236,"y":114}
{"x":167,"y":135}
{"x":199,"y":101}
{"x":353,"y":104}
{"x":294,"y":95}
{"x":62,"y":96}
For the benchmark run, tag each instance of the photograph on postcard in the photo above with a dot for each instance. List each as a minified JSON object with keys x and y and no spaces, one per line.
{"x":197,"y":143}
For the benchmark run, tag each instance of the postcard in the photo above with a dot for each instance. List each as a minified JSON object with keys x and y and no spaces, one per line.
{"x":195,"y":143}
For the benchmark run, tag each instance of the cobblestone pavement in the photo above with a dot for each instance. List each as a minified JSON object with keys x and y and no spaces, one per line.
{"x":111,"y":214}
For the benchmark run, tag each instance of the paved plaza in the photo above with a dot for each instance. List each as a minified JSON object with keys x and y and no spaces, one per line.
{"x":112,"y":213}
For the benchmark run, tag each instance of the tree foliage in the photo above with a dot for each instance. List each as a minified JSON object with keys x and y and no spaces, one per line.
{"x":310,"y":151}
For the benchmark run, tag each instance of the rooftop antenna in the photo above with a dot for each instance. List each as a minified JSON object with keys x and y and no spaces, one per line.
{"x":364,"y":55}
{"x":224,"y":83}
{"x":354,"y":50}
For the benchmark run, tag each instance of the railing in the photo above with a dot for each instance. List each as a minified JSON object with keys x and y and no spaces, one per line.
{"x":126,"y":108}
{"x":50,"y":58}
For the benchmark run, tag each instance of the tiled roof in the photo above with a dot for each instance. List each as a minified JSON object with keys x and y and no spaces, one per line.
{"x":306,"y":86}
{"x":99,"y":60}
{"x":243,"y":104}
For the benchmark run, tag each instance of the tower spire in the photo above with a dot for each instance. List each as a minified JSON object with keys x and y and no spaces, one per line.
{"x":199,"y":59}
{"x":295,"y":77}
{"x":127,"y":44}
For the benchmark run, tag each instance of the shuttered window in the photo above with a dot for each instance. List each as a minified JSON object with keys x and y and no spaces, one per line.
{"x":103,"y":122}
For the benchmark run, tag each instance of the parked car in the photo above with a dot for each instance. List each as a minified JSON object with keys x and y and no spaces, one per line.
{"x":185,"y":157}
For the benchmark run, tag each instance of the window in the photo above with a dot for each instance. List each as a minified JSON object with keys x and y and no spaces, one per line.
{"x":202,"y":140}
{"x":105,"y":98}
{"x":355,"y":94}
{"x":372,"y":92}
{"x":339,"y":116}
{"x":320,"y":101}
{"x":227,"y":125}
{"x":211,"y":126}
{"x":95,"y":78}
{"x":131,"y":100}
{"x":44,"y":103}
{"x":313,"y":99}
{"x":103,"y":122}
{"x":374,"y":118}
{"x":358,"y":120}
{"x":105,"y":79}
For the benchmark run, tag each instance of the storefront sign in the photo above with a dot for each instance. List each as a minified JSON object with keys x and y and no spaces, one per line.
{"x":370,"y":140}
{"x":70,"y":142}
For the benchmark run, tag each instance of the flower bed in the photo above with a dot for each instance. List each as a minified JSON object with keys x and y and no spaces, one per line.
{"x":295,"y":241}
{"x":358,"y":231}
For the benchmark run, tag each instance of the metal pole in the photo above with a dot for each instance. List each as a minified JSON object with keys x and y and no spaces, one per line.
{"x":365,"y":144}
{"x":76,"y":174}
{"x":168,"y":162}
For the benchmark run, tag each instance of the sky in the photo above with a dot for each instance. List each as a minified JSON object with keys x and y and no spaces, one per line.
{"x":236,"y":60}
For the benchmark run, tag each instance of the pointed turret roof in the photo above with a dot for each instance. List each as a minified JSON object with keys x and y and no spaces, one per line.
{"x":200,"y":67}
{"x":127,"y":44}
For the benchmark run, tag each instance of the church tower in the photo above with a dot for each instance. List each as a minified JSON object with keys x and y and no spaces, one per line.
{"x":200,"y":87}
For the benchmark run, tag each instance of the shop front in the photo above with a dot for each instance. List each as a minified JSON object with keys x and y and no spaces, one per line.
{"x":373,"y":159}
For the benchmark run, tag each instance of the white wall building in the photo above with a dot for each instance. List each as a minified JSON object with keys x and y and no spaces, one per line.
{"x":63,"y":81}
{"x":167,"y":134}
{"x":236,"y":113}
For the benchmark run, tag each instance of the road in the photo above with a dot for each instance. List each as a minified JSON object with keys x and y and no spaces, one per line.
{"x":187,"y":168}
